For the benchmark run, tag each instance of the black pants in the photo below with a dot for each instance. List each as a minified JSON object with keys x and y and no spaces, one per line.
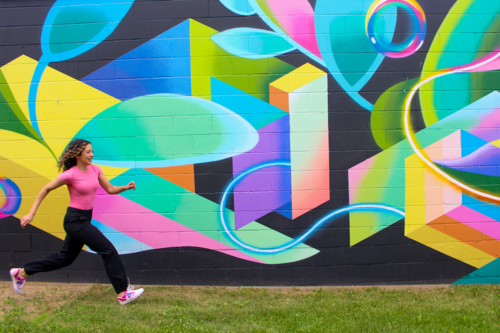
{"x":79,"y":232}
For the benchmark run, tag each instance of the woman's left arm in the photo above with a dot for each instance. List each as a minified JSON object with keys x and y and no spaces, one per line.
{"x":111,"y":189}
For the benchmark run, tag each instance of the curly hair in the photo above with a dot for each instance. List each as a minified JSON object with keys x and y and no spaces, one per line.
{"x":68,"y":157}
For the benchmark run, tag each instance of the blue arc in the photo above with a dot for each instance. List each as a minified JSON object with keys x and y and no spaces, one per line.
{"x":33,"y":92}
{"x":286,"y":246}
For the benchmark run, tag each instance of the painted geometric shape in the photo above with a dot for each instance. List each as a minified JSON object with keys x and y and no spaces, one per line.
{"x":488,"y":274}
{"x":307,"y":93}
{"x":380,"y":179}
{"x":257,"y":112}
{"x":182,"y":175}
{"x":489,"y":209}
{"x":28,"y":153}
{"x":346,"y":49}
{"x":10,"y":197}
{"x":13,"y":119}
{"x":304,"y":187}
{"x":18,"y":74}
{"x":455,"y":32}
{"x":295,"y":19}
{"x":167,"y":130}
{"x":201,"y":215}
{"x":385,"y":120}
{"x":486,"y":225}
{"x":470,"y":143}
{"x":123,"y":243}
{"x":430,"y":201}
{"x":268,"y":189}
{"x":145,"y":229}
{"x":299,"y":77}
{"x":50,"y":215}
{"x":464,"y":233}
{"x":480,"y":157}
{"x":182,"y":60}
{"x":161,"y":65}
{"x":73,"y":27}
{"x":279,"y":98}
{"x":253,"y":43}
{"x":64,"y":104}
{"x":210,"y":60}
{"x":369,"y":181}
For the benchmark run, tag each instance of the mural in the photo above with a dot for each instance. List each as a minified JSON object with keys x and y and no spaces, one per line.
{"x":259,"y":98}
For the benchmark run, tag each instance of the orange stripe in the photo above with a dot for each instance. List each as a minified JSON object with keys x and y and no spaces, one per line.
{"x":466,"y":234}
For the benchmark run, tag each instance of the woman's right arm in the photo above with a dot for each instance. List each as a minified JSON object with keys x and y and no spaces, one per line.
{"x":57,"y":182}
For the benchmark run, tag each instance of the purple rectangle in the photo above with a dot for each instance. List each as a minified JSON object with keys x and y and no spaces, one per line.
{"x":267,"y":189}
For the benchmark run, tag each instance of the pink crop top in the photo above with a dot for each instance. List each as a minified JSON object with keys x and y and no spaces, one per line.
{"x":82,"y":186}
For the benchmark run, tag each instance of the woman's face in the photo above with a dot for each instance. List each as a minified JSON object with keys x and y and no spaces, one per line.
{"x":86,"y":155}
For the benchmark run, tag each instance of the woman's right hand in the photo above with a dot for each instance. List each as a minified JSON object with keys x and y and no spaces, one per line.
{"x":26,"y":219}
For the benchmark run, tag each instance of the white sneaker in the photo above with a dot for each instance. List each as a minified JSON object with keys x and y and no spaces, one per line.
{"x":129,"y":295}
{"x":17,"y":281}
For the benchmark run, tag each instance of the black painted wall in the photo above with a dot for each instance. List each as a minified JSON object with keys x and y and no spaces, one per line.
{"x":388,"y":257}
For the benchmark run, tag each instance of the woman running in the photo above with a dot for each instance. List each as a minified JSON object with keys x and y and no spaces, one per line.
{"x":83,"y":179}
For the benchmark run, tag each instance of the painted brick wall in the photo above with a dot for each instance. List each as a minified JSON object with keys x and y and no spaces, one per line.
{"x":297,"y":142}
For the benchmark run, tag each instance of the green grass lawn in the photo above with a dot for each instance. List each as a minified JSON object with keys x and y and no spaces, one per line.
{"x":191,"y":309}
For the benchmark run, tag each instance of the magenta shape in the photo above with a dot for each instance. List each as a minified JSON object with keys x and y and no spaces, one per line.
{"x":268,"y":189}
{"x":151,"y":228}
{"x":476,"y":220}
{"x":297,"y":20}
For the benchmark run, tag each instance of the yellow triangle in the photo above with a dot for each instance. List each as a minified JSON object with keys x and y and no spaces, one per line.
{"x":298,"y":78}
{"x":64,"y":105}
{"x":28,"y":153}
{"x":18,"y":74}
{"x":50,"y":214}
{"x":496,"y":143}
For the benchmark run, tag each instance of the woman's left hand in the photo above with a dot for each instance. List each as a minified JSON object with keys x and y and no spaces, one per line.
{"x":130,"y":186}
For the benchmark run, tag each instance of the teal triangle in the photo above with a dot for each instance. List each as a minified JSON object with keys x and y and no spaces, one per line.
{"x":257,"y":112}
{"x":470,"y":143}
{"x":488,"y":274}
{"x":124,"y":244}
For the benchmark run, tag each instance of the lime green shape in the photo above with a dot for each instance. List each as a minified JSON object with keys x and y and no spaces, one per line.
{"x":383,"y":175}
{"x":12,"y":117}
{"x":387,"y":114}
{"x":468,"y":33}
{"x":210,"y":60}
{"x":384,"y":183}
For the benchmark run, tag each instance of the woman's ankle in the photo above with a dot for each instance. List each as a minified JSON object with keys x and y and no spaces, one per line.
{"x":22,"y":274}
